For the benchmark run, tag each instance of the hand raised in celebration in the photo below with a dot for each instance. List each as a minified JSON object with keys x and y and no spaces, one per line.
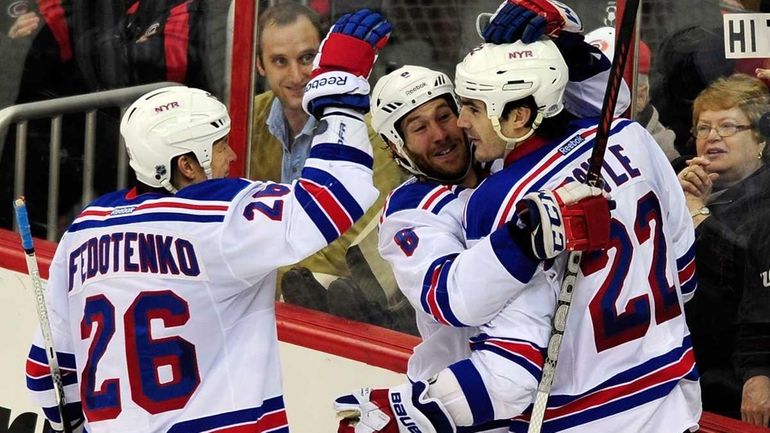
{"x":529,"y":20}
{"x":344,"y":62}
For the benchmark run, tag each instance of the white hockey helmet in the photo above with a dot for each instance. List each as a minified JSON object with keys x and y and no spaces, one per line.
{"x":398,"y":93}
{"x":169,"y":122}
{"x":498,"y":74}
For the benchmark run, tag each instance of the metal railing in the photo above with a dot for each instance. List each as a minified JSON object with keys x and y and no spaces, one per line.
{"x":54,"y":109}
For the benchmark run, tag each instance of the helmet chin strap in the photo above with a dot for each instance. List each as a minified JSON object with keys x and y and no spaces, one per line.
{"x":511,"y":142}
{"x":207,"y":169}
{"x":166,"y":183}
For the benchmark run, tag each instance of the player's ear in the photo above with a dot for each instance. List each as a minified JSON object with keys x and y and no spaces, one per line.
{"x":519,"y":116}
{"x":187,"y":167}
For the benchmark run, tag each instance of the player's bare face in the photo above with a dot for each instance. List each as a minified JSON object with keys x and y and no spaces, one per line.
{"x":434,"y":141}
{"x":222,"y":155}
{"x":488,"y":146}
{"x":287,"y":59}
{"x":733,"y":157}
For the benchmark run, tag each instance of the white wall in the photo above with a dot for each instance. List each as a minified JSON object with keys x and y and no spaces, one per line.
{"x":311,"y":378}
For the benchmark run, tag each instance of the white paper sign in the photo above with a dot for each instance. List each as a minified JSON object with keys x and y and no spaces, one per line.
{"x":746,"y":35}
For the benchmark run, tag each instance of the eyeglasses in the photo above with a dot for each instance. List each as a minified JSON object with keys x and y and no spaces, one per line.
{"x":723,"y":130}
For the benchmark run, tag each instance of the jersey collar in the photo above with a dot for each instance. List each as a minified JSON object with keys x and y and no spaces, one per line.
{"x":530,"y":145}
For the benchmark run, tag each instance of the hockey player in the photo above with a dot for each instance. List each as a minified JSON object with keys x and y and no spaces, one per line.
{"x":422,"y":218}
{"x":627,"y":358}
{"x":161,"y":296}
{"x":625,"y":366}
{"x":415,"y":110}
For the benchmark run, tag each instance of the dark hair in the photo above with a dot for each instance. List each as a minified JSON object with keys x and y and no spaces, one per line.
{"x":550,"y":128}
{"x":526,"y":102}
{"x":283,"y":14}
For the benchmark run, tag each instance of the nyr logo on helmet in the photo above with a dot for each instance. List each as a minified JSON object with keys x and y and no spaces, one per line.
{"x":166,"y":107}
{"x":522,"y":54}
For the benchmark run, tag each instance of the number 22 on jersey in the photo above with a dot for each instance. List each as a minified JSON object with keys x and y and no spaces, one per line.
{"x":612,"y":327}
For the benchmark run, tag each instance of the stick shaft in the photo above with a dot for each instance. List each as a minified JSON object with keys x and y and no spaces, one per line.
{"x":596,"y":161}
{"x":622,"y":45}
{"x":42,"y":311}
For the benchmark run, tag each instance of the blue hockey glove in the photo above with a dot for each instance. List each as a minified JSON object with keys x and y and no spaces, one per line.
{"x":528,"y":21}
{"x":344,"y":62}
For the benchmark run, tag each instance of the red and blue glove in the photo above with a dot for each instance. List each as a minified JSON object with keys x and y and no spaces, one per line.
{"x":344,"y":62}
{"x":573,"y":217}
{"x":529,"y":20}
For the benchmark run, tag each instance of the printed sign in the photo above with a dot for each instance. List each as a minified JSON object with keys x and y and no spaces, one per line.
{"x":746,"y":35}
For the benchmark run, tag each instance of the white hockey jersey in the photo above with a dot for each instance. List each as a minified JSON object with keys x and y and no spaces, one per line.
{"x":626,"y":363}
{"x":421,"y":228}
{"x":162,"y":306}
{"x":422,"y":221}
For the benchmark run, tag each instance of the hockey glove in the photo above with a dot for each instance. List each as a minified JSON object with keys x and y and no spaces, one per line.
{"x":344,"y":62}
{"x":528,"y":20}
{"x":574,"y":217}
{"x":401,"y":409}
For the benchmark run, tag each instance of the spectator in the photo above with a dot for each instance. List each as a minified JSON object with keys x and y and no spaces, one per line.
{"x":75,"y":48}
{"x":288,"y":39}
{"x":727,"y":187}
{"x":37,"y":44}
{"x":688,"y":60}
{"x":646,"y":113}
{"x":122,"y":44}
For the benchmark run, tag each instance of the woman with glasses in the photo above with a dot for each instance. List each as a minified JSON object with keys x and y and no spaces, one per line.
{"x":727,"y":187}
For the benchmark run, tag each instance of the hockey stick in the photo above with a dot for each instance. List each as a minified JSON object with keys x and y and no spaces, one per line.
{"x":42,"y":312}
{"x":559,"y":321}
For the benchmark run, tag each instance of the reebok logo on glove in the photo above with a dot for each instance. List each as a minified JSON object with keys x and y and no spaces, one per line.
{"x":326,"y":81}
